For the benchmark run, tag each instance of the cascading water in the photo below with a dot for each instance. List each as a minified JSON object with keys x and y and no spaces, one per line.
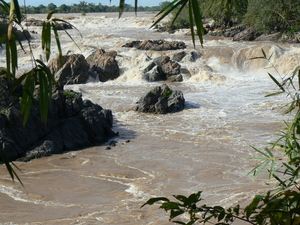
{"x":204,"y":147}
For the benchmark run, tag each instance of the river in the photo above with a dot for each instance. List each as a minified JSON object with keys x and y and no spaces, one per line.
{"x":204,"y":147}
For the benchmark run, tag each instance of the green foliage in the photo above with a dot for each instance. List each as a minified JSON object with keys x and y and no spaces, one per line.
{"x":224,"y":13}
{"x":85,"y":7}
{"x":195,"y":16}
{"x":269,"y":16}
{"x":167,"y":92}
{"x":69,"y":94}
{"x":39,"y":75}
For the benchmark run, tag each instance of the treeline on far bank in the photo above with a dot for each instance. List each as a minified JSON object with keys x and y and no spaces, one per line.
{"x":85,"y":7}
{"x":263,"y":16}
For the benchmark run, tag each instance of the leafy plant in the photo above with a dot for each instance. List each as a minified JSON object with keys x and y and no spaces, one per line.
{"x":40,"y":74}
{"x":269,"y":16}
{"x":167,"y":92}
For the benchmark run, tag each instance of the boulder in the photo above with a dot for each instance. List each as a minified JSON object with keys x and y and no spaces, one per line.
{"x":156,"y":45}
{"x":33,"y":22}
{"x":73,"y":123}
{"x":161,"y":68}
{"x":178,"y":56}
{"x":75,"y":69}
{"x":246,"y":35}
{"x":103,"y":65}
{"x":59,"y":26}
{"x":269,"y":37}
{"x":161,"y":100}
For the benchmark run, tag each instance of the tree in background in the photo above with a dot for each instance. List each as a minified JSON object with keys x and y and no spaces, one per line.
{"x":269,"y":16}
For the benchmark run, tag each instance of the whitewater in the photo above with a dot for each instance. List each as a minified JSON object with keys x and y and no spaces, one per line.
{"x":205,"y":147}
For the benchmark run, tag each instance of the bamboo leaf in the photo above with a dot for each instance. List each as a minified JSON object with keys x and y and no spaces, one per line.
{"x":276,"y":82}
{"x":198,"y":20}
{"x":261,"y":152}
{"x":8,"y":60}
{"x":178,"y":13}
{"x":191,"y":22}
{"x":66,"y":22}
{"x":166,"y":11}
{"x":135,"y":6}
{"x":171,"y":4}
{"x":50,"y":14}
{"x":72,"y":39}
{"x":264,"y":54}
{"x":48,"y":41}
{"x":57,"y":43}
{"x":121,"y":7}
{"x":17,"y":11}
{"x":14,"y":55}
{"x":9,"y":168}
{"x":19,"y":81}
{"x":27,"y":96}
{"x":274,"y":94}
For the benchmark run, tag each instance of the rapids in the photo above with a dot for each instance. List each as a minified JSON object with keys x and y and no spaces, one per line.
{"x":204,"y":147}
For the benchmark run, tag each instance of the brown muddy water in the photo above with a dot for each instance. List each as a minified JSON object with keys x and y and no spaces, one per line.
{"x":204,"y":147}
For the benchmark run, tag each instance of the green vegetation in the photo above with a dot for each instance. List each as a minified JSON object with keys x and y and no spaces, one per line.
{"x":39,"y":75}
{"x":281,"y":204}
{"x":264,"y":16}
{"x":268,"y":16}
{"x":85,"y":7}
{"x":69,"y":94}
{"x":167,"y":92}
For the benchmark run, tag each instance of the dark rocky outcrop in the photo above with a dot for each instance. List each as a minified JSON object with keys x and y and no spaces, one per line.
{"x":104,"y":65}
{"x":75,"y":69}
{"x":161,"y":68}
{"x":59,"y":26}
{"x":161,"y":100}
{"x":72,"y":124}
{"x":156,"y":45}
{"x":33,"y":22}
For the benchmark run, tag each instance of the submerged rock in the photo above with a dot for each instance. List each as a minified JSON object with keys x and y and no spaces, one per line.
{"x":72,"y":124}
{"x":161,"y":100}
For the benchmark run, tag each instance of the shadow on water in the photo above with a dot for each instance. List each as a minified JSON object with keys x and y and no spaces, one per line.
{"x":124,"y":133}
{"x":191,"y":105}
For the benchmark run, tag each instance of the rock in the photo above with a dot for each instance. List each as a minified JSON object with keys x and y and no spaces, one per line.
{"x":63,"y":26}
{"x":156,"y":45}
{"x":72,"y":124}
{"x":233,"y":31}
{"x":246,"y":35}
{"x":168,"y":66}
{"x":153,"y":73}
{"x":269,"y":37}
{"x":33,"y":22}
{"x":104,"y":65}
{"x":161,"y":100}
{"x":178,"y":56}
{"x":161,"y":68}
{"x":75,"y":69}
{"x":23,"y":35}
{"x":59,"y":26}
